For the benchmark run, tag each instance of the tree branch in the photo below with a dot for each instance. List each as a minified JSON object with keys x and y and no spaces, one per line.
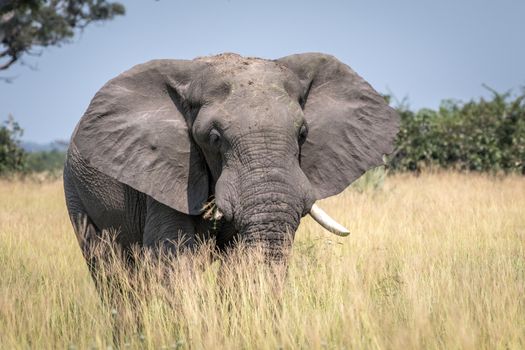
{"x":31,"y":24}
{"x":8,"y":63}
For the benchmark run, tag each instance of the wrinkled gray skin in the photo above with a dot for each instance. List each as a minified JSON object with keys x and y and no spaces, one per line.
{"x":265,"y":137}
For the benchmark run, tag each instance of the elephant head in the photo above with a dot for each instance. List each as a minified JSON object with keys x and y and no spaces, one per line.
{"x":267,"y":138}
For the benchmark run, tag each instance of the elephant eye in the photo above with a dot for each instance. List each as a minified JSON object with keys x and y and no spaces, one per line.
{"x":303,"y":133}
{"x":215,"y":138}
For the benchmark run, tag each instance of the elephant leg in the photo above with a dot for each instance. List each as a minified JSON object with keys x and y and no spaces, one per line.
{"x":108,"y":218}
{"x":167,"y":229}
{"x":98,"y":249}
{"x":85,"y":230}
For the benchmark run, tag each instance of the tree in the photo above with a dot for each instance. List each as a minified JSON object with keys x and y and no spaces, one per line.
{"x":12,"y":156}
{"x":26,"y":24}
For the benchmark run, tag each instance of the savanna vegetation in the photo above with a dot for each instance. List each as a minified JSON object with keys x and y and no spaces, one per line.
{"x":14,"y":160}
{"x":480,"y":135}
{"x":434,"y":261}
{"x":12,"y":156}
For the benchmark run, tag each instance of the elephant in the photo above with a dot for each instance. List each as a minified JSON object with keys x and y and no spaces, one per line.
{"x":225,"y":147}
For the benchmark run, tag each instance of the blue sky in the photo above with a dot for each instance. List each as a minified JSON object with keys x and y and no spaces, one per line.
{"x":421,"y":49}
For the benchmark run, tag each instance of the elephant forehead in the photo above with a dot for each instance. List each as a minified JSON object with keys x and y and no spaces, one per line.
{"x":232,"y":62}
{"x":258,"y":111}
{"x":243,"y":70}
{"x":246,"y":77}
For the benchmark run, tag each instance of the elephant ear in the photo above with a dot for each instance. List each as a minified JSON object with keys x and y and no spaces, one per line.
{"x":136,"y":131}
{"x":350,"y":125}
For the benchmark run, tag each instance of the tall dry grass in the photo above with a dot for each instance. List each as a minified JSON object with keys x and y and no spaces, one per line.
{"x":435,"y":261}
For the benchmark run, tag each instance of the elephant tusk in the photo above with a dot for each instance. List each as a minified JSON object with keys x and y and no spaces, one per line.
{"x":327,"y":222}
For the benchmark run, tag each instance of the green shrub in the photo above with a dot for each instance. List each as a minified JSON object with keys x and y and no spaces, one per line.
{"x":483,"y":135}
{"x":46,"y":161}
{"x":12,"y":156}
{"x":370,"y":181}
{"x":14,"y":160}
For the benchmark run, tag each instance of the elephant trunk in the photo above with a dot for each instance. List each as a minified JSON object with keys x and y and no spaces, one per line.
{"x":269,"y":212}
{"x":271,"y":229}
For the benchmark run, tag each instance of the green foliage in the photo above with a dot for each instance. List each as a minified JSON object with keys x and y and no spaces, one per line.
{"x":50,"y":162}
{"x":12,"y":156}
{"x":483,"y":135}
{"x":25,"y":24}
{"x":370,"y":181}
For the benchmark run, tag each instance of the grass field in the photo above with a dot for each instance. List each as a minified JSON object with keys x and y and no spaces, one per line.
{"x":435,"y":261}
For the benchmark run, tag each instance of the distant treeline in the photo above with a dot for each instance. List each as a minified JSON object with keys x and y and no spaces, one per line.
{"x":481,"y":135}
{"x":15,"y":160}
{"x":45,"y":161}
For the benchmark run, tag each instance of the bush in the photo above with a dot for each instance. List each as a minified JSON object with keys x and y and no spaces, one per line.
{"x":12,"y":156}
{"x":483,"y":135}
{"x":46,"y":161}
